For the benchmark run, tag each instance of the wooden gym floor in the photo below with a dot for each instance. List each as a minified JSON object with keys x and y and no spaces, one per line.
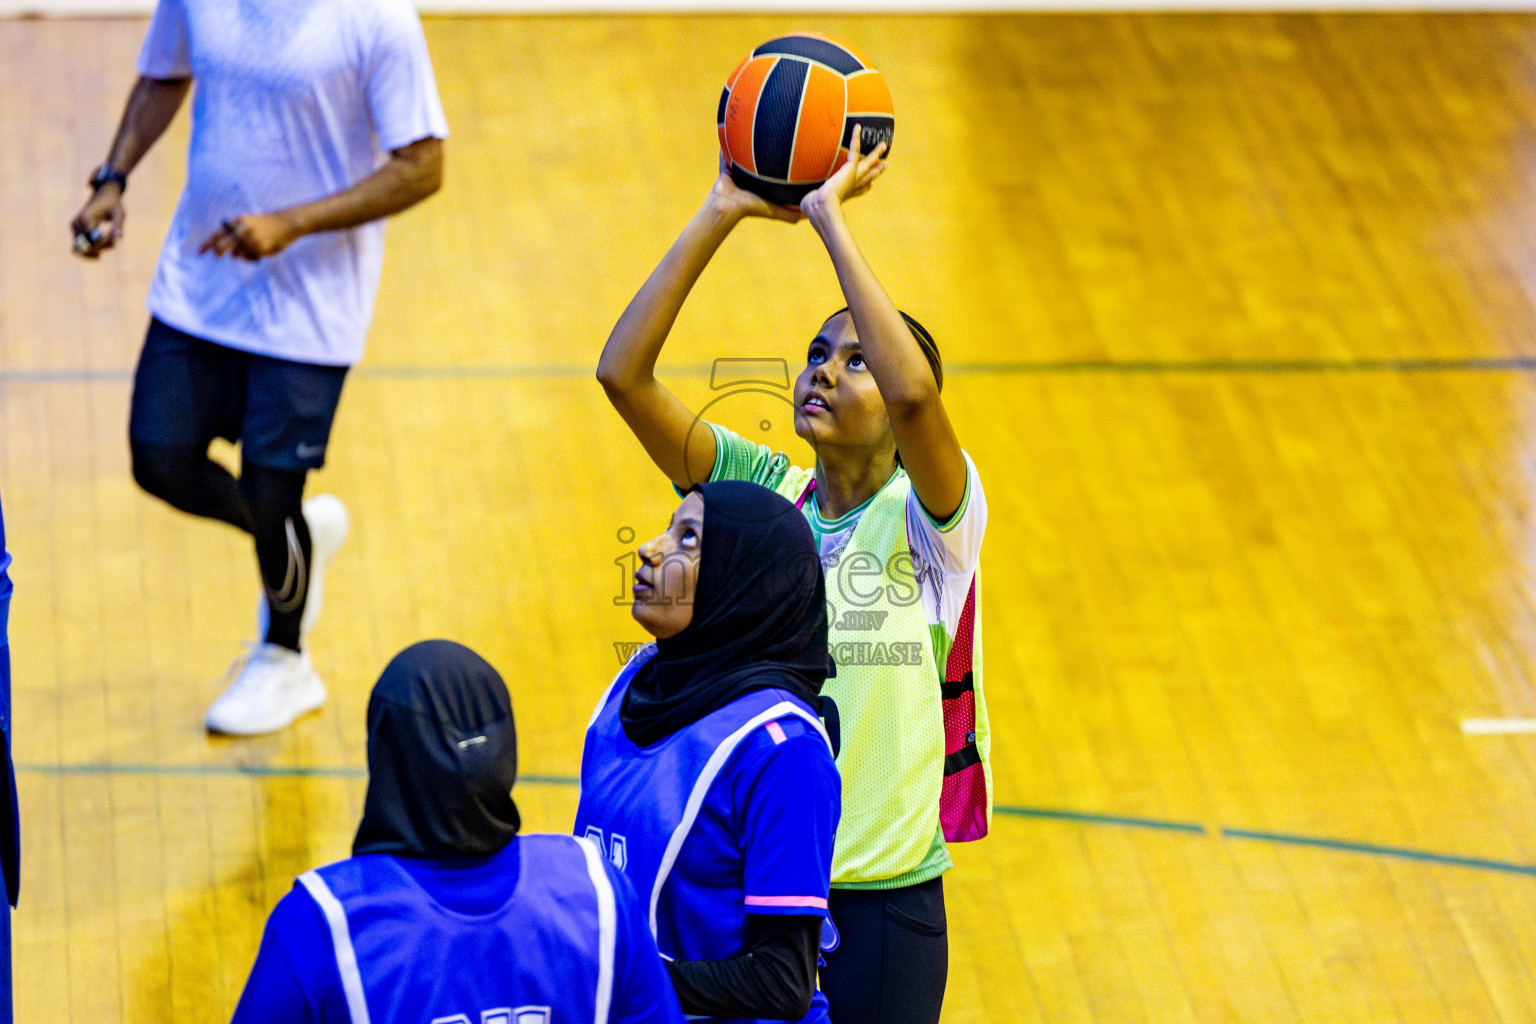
{"x":1239,"y":319}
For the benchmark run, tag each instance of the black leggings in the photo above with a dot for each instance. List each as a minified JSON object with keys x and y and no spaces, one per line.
{"x":266,"y":503}
{"x":892,"y":959}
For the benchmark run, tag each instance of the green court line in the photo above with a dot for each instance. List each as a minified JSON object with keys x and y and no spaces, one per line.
{"x":1038,"y":813}
{"x":1506,"y":364}
{"x":1501,"y":364}
{"x":1400,"y":852}
{"x":1099,"y":819}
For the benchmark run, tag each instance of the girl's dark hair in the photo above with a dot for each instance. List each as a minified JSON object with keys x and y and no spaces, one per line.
{"x":924,"y":341}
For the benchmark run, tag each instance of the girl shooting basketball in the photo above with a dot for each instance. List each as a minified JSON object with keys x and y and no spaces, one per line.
{"x":891,"y":488}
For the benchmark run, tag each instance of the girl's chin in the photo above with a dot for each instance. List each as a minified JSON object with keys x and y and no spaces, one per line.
{"x":657,"y":630}
{"x":819,"y":432}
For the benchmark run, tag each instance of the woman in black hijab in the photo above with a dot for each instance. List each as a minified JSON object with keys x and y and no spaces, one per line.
{"x":442,"y":757}
{"x":443,"y":909}
{"x":706,"y":773}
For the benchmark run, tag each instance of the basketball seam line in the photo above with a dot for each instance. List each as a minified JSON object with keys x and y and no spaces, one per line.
{"x":794,"y":135}
{"x":822,"y":64}
{"x":731,"y":84}
{"x":757,"y":103}
{"x":861,"y":113}
{"x":776,"y":181}
{"x":832,"y":162}
{"x":730,"y":87}
{"x":864,"y":65}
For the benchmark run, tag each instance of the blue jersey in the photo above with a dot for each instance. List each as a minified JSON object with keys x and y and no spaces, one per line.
{"x":542,"y":932}
{"x":732,"y":815}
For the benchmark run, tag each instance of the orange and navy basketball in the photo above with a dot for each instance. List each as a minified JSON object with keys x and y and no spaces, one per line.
{"x":788,"y":110}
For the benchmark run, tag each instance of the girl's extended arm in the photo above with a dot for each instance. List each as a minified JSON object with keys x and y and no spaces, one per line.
{"x":627,"y":367}
{"x":930,"y":452}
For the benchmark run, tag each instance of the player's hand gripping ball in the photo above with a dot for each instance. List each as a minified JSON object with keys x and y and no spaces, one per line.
{"x":788,"y":111}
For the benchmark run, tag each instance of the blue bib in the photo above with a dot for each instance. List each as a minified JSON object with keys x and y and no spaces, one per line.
{"x":640,"y":804}
{"x":547,"y":957}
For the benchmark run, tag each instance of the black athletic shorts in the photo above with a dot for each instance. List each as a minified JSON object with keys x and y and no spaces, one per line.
{"x":188,"y":391}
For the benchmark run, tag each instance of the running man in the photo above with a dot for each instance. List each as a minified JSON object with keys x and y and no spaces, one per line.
{"x":312,"y":121}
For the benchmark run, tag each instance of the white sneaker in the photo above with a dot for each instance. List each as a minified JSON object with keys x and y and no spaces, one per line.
{"x":272,"y":688}
{"x":328,"y":524}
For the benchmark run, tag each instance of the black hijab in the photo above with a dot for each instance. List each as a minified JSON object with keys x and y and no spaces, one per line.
{"x":759,"y":617}
{"x":442,"y":757}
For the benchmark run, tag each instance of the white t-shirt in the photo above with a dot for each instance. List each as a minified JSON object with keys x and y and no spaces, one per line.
{"x":294,"y":100}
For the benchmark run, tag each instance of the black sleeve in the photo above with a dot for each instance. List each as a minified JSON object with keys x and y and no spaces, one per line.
{"x":776,"y":978}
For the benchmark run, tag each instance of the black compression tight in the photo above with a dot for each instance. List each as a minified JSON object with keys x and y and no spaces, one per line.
{"x":892,"y":959}
{"x":266,"y":503}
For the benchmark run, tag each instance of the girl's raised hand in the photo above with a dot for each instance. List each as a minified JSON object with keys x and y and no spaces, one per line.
{"x":852,"y":179}
{"x":735,"y":201}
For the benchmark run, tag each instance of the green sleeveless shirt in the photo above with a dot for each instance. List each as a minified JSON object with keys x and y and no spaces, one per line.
{"x":899,"y":589}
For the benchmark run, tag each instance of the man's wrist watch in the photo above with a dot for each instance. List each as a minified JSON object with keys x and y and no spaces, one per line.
{"x":106,"y":173}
